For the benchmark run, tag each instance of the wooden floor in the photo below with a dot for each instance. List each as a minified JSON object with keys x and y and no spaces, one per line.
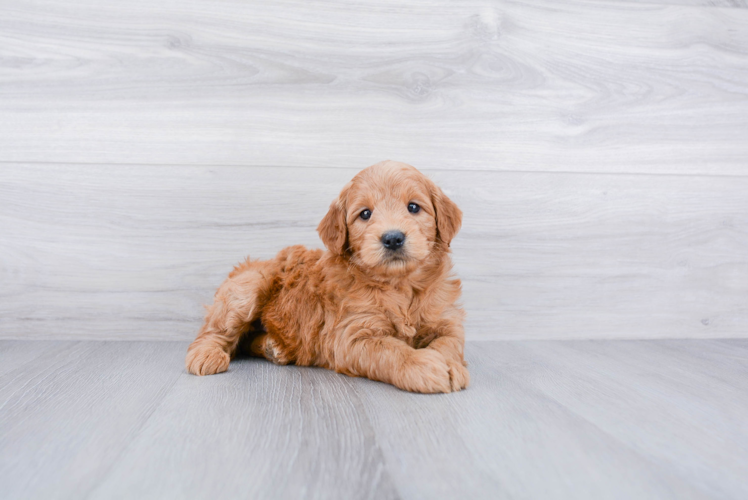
{"x":541,"y":419}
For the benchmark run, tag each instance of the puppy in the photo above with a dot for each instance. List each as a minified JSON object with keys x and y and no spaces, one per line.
{"x":379,"y":303}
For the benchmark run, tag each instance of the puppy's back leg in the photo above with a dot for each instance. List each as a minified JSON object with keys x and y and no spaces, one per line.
{"x":238,"y":302}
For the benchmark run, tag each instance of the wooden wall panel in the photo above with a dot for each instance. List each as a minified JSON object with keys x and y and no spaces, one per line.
{"x":598,"y":148}
{"x":579,"y":86}
{"x":133,"y":252}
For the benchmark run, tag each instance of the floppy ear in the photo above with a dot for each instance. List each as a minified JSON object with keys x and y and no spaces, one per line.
{"x":448,"y":215}
{"x":333,"y":229}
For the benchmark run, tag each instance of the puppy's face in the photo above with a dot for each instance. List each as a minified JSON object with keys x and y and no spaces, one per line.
{"x":389,"y":219}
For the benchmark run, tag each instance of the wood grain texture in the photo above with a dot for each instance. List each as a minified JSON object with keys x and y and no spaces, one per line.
{"x":654,"y":393}
{"x":282,"y":433}
{"x":541,"y":419}
{"x":519,"y":441}
{"x":134,"y":252}
{"x":735,"y":4}
{"x":17,"y":353}
{"x":584,"y":85}
{"x":66,"y":416}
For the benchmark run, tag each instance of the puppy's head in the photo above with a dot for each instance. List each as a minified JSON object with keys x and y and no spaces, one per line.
{"x":389,"y":219}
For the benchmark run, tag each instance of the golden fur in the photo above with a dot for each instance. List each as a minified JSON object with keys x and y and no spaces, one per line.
{"x":357,"y":308}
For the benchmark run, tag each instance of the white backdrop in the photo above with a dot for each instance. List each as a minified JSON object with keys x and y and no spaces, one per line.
{"x":598,"y":149}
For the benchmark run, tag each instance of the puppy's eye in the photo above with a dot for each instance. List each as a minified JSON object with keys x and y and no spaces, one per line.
{"x":413,"y":208}
{"x":365,"y":214}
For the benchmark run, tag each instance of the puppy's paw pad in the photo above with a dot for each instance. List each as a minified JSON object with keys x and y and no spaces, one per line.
{"x":207,"y":360}
{"x":459,"y":377}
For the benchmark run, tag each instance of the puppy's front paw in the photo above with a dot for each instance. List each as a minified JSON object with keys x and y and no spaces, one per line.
{"x":206,"y":360}
{"x":424,"y":371}
{"x":459,"y":377}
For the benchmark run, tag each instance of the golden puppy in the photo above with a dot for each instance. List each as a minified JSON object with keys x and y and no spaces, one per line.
{"x":379,"y":303}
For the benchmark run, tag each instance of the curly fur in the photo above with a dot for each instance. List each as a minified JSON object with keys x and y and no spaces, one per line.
{"x":355,"y":308}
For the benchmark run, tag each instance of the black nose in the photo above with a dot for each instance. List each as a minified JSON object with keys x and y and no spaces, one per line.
{"x":393,"y":240}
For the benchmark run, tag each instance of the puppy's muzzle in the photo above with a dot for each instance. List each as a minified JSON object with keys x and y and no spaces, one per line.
{"x":393,"y":240}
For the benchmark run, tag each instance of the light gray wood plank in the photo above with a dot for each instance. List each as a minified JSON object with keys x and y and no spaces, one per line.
{"x":735,"y":4}
{"x":66,"y":417}
{"x":258,"y":431}
{"x":593,"y":86}
{"x":16,"y":353}
{"x":541,"y":419}
{"x":134,"y":252}
{"x":502,"y":438}
{"x":647,"y":395}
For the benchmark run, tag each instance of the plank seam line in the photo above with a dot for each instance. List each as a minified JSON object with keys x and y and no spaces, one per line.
{"x":646,"y":458}
{"x":425,"y":169}
{"x":133,"y":436}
